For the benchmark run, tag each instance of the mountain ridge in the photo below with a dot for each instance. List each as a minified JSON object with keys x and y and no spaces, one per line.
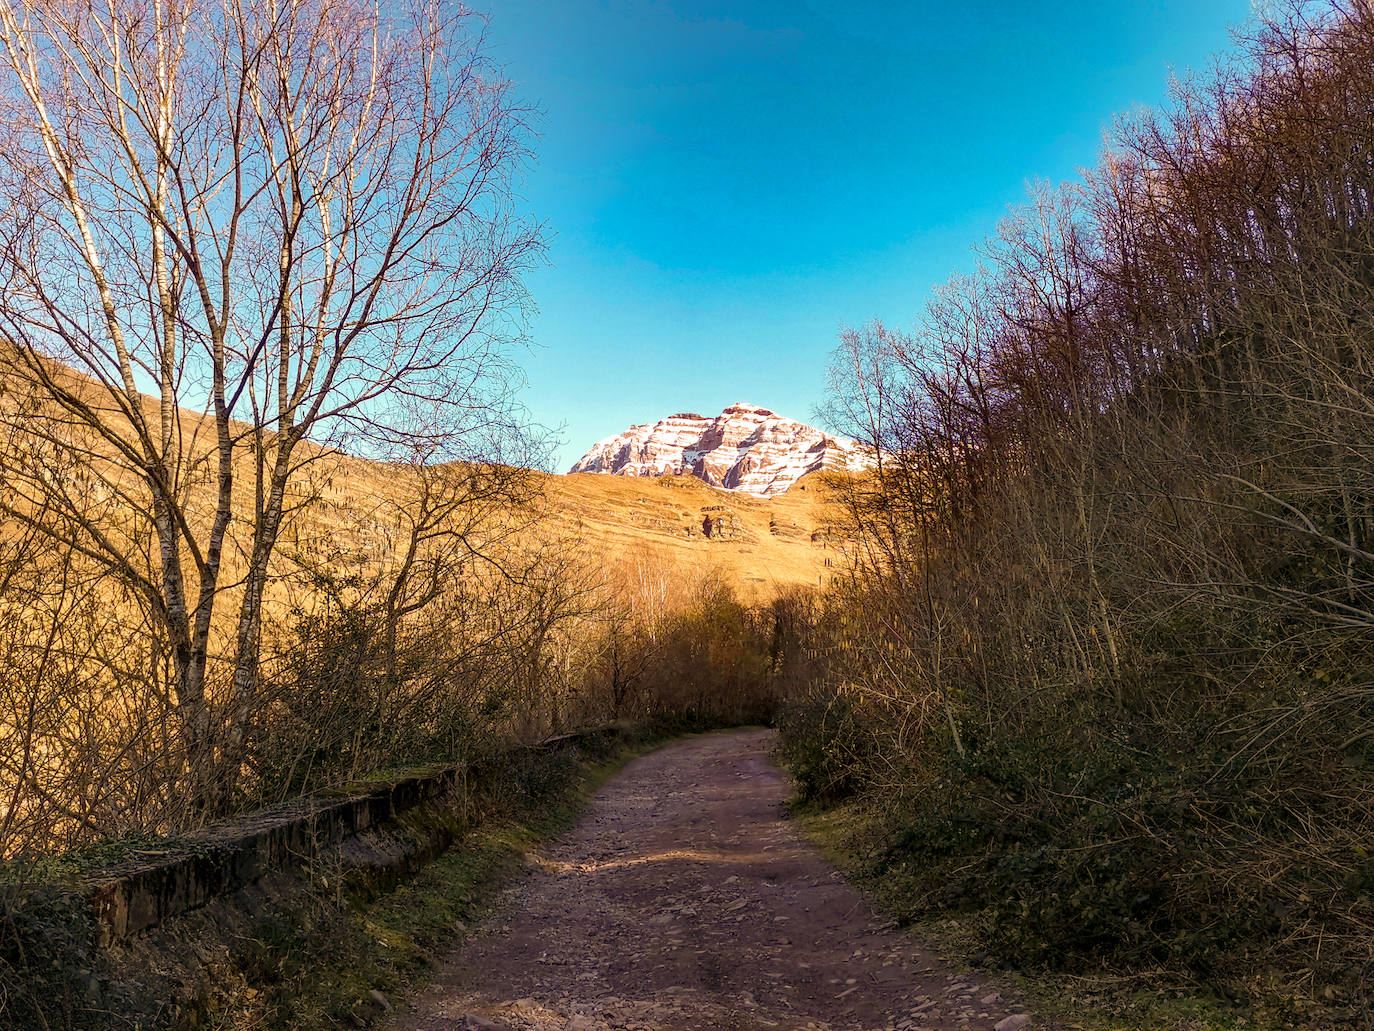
{"x":747,"y":448}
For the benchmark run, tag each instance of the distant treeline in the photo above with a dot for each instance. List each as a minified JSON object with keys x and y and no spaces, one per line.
{"x":1106,"y":654}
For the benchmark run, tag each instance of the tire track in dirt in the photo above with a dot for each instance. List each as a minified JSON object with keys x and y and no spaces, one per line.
{"x":685,"y":900}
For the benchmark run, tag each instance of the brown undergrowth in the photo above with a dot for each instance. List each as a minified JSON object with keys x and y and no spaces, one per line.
{"x":1101,"y":680}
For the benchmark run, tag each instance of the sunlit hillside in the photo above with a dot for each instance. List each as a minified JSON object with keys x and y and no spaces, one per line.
{"x":348,"y":512}
{"x":760,"y":545}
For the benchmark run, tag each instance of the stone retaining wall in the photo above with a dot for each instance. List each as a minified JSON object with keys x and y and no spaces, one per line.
{"x":387,"y":827}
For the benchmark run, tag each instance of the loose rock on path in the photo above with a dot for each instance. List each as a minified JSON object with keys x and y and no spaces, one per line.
{"x":684,"y":900}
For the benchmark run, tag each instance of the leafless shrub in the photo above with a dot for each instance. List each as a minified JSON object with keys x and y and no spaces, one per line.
{"x":1125,"y":494}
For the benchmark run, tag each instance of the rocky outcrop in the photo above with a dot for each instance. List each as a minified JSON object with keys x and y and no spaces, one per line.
{"x":718,"y":523}
{"x":745,"y":448}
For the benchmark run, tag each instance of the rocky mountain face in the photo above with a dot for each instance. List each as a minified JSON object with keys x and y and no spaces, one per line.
{"x":744,"y":448}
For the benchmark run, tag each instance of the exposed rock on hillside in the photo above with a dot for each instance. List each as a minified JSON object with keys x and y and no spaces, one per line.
{"x":718,"y":523}
{"x":745,"y":448}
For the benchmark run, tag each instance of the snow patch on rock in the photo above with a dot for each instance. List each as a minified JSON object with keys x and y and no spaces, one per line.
{"x":745,"y":448}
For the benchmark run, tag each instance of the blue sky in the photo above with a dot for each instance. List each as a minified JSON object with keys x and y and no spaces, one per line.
{"x":728,"y":184}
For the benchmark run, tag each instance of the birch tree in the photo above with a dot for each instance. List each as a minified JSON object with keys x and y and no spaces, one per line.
{"x":233,"y":236}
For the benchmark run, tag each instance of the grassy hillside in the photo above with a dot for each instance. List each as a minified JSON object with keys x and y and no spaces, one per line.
{"x":760,"y":545}
{"x":345,"y":511}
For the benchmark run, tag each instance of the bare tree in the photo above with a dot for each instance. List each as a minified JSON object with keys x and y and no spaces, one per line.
{"x":292,"y":217}
{"x":1127,"y":467}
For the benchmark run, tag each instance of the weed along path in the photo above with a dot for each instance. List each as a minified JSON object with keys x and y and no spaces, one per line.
{"x":685,"y":900}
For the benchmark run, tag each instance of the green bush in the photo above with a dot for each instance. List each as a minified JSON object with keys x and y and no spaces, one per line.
{"x":1084,"y":855}
{"x":46,"y":980}
{"x":827,"y":742}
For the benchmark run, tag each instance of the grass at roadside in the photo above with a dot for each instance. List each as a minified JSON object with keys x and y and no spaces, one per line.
{"x":849,"y":834}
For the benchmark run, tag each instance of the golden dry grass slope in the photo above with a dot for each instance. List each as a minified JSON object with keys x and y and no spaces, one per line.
{"x":759,"y":545}
{"x":345,"y":513}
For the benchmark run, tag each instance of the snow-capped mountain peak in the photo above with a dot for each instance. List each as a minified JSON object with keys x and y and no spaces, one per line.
{"x":745,"y":448}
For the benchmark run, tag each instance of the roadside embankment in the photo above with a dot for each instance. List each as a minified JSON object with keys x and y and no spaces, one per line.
{"x":309,"y":915}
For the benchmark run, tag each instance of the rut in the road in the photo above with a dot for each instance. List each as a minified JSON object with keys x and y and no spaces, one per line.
{"x":685,"y":900}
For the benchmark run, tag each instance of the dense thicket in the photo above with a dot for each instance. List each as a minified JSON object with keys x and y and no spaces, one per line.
{"x":1109,"y":634}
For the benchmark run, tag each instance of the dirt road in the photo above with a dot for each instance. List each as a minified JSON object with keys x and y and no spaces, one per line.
{"x":685,"y":900}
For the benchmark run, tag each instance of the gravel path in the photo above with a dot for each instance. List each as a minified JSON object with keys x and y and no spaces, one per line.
{"x":685,"y":900}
